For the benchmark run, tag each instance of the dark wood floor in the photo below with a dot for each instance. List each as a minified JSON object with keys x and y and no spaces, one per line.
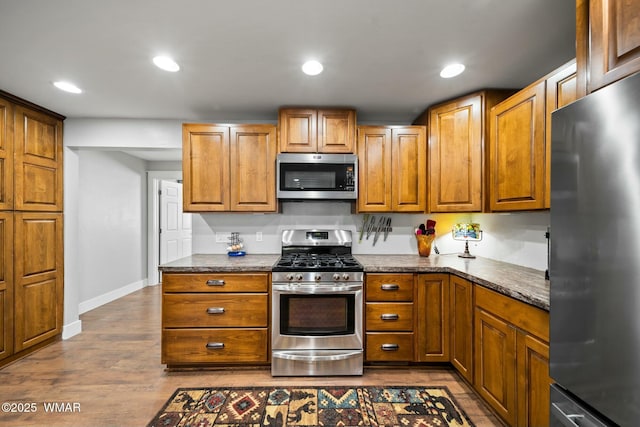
{"x":111,"y":372}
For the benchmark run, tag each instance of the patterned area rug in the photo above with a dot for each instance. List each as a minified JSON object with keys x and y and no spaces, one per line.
{"x":311,"y":406}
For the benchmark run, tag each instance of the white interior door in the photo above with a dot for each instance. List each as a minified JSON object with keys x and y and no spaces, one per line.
{"x":175,"y":225}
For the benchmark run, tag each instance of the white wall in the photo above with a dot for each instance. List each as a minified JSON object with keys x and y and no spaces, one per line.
{"x":516,"y":238}
{"x":122,"y":133}
{"x":112,"y":218}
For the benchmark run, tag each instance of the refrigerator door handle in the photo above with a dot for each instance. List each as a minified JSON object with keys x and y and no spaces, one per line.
{"x":566,"y":419}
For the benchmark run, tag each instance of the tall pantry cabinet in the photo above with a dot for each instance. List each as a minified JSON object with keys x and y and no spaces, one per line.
{"x":31,"y":238}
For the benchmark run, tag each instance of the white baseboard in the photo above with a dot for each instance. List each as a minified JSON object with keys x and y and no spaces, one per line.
{"x":111,"y":296}
{"x":72,"y":329}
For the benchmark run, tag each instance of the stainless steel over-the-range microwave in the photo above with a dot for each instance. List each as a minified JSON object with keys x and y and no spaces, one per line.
{"x":317,"y":176}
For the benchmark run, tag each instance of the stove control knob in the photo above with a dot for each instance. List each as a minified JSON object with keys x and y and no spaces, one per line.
{"x":345,"y":276}
{"x":336,"y":276}
{"x":318,"y":277}
{"x":298,"y":276}
{"x":290,"y":276}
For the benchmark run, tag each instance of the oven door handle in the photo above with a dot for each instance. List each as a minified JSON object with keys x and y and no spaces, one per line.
{"x":317,"y":358}
{"x":315,"y":289}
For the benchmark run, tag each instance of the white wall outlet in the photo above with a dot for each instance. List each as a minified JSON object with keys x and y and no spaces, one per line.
{"x":258,"y":236}
{"x":223,"y":237}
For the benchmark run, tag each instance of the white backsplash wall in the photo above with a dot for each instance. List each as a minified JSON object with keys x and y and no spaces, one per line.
{"x":516,"y":238}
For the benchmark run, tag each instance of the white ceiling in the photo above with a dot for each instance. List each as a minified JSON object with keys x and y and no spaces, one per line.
{"x":241,"y":59}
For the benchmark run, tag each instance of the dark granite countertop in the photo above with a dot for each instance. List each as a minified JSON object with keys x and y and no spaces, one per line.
{"x":205,"y":263}
{"x":522,"y":283}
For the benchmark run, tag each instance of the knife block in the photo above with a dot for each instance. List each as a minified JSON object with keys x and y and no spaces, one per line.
{"x":424,"y":243}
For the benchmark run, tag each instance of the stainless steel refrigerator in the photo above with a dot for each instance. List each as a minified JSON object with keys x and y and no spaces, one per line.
{"x":595,"y":259}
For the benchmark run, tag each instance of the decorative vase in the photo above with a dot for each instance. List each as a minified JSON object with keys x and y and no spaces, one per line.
{"x":424,"y":243}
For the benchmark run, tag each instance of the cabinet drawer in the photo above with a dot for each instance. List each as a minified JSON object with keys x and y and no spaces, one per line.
{"x":389,"y":287}
{"x":213,"y":282}
{"x":189,"y":346}
{"x":389,"y":347}
{"x":389,"y":316}
{"x":221,"y":310}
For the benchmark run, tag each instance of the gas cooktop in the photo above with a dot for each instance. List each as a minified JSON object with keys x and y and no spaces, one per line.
{"x":317,"y":250}
{"x":301,"y":261}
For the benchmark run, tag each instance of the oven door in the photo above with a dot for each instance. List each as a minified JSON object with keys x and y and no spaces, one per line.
{"x":316,"y":317}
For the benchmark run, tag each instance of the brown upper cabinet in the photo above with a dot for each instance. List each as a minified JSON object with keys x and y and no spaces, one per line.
{"x":607,"y":41}
{"x":6,"y":155}
{"x":458,"y":132}
{"x":306,"y":130}
{"x":38,"y":160}
{"x":520,"y":142}
{"x":229,"y":168}
{"x":517,"y":151}
{"x":392,"y":168}
{"x":562,"y":90}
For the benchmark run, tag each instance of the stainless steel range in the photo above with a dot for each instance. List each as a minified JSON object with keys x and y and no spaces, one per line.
{"x":317,"y":296}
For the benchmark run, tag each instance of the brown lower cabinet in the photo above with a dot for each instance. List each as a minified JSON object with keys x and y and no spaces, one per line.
{"x":215,"y":318}
{"x":389,"y":317}
{"x":432,"y":343}
{"x":461,"y":325}
{"x":511,"y":358}
{"x":498,"y":344}
{"x":31,"y":281}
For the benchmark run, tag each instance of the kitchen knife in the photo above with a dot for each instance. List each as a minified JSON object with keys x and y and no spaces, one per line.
{"x":387,"y":228}
{"x":372,"y":222}
{"x":365,"y":220}
{"x":378,"y":228}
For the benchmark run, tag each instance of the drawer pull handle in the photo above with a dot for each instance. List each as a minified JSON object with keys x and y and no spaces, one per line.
{"x":390,"y":287}
{"x":215,"y":345}
{"x":215,"y":310}
{"x":215,"y":282}
{"x":390,"y":347}
{"x":389,"y":316}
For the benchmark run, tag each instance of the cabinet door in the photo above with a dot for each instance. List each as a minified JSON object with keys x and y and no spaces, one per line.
{"x":614,"y":41}
{"x":6,"y":155}
{"x":533,"y":381}
{"x":205,"y":167}
{"x":298,"y":130}
{"x":6,"y":284}
{"x":253,"y":163}
{"x":433,"y":318}
{"x":461,"y":325}
{"x":517,"y":150}
{"x":336,"y":131}
{"x":409,"y":169}
{"x":38,"y":161}
{"x":495,"y":363}
{"x":561,"y":90}
{"x":374,"y":169}
{"x":39,"y":277}
{"x":456,"y":156}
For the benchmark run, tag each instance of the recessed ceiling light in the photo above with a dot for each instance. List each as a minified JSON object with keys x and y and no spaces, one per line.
{"x":312,"y":68}
{"x":451,"y":70}
{"x":166,"y":63}
{"x":67,"y":87}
